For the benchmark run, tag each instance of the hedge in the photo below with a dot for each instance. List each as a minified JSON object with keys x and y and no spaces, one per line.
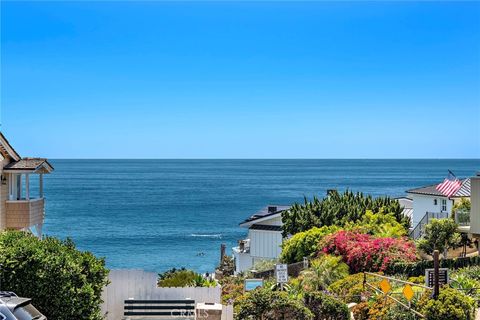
{"x":63,"y":282}
{"x":326,"y":307}
{"x":416,"y":269}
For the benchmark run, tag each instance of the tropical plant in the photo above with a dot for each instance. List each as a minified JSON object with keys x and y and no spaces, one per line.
{"x":262,"y":303}
{"x":363,"y":252}
{"x":183,"y":278}
{"x":451,"y":304}
{"x":63,"y":282}
{"x":337,"y":209}
{"x":465,"y":284}
{"x":326,"y":307}
{"x":201,"y":281}
{"x":323,"y":272}
{"x":441,"y":235}
{"x":304,"y":244}
{"x":472,"y":272}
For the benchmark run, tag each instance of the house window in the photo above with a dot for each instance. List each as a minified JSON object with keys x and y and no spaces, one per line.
{"x":435,"y":202}
{"x":444,"y":205}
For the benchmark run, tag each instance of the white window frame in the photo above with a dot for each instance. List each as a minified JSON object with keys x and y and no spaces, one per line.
{"x":444,"y":205}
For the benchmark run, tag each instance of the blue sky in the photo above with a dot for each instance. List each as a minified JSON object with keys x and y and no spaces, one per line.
{"x":241,"y":80}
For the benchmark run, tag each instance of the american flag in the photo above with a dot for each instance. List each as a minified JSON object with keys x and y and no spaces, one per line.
{"x":450,"y":185}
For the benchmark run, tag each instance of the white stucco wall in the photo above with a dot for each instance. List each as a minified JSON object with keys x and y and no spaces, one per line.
{"x":424,"y":203}
{"x":243,"y":261}
{"x":265,"y":244}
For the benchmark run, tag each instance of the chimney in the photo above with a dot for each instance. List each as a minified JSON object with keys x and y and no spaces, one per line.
{"x":272,"y":209}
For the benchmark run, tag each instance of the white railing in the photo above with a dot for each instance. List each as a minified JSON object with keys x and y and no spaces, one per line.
{"x":417,"y":232}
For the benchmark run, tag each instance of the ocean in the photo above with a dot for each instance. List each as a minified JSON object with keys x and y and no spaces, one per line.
{"x":158,"y":214}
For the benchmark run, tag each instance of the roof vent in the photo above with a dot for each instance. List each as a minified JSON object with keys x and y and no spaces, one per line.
{"x":272,"y":209}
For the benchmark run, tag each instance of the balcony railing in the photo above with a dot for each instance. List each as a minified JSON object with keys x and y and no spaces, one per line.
{"x":243,"y":246}
{"x":24,"y":213}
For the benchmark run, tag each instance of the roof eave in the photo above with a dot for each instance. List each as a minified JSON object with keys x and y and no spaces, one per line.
{"x":8,"y":147}
{"x":47,"y":168}
{"x":247,"y":224}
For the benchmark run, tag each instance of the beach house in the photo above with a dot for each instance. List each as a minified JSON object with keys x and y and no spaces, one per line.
{"x":20,"y":207}
{"x":264,"y":238}
{"x":429,"y":203}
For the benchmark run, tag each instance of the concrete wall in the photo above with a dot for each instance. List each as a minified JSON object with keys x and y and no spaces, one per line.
{"x":138,"y":284}
{"x":423,"y":204}
{"x":243,"y":261}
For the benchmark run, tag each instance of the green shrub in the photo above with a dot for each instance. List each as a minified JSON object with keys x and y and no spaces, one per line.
{"x":417,"y":280}
{"x":472,"y":272}
{"x":338,"y":209}
{"x":348,"y":289}
{"x":232,"y":289}
{"x":326,"y":307}
{"x":380,"y":224}
{"x":381,"y":308}
{"x":304,"y":244}
{"x":451,"y":304}
{"x":415,"y":269}
{"x":440,"y":234}
{"x":262,"y":303}
{"x":63,"y":282}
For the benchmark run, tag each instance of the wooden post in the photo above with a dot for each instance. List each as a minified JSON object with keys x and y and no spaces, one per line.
{"x":222,"y":253}
{"x":436,"y":274}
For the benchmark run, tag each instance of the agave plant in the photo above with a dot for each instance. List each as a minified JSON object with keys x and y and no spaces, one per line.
{"x":467,"y":285}
{"x":200,"y":281}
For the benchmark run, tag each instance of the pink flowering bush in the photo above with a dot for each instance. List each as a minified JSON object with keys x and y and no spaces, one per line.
{"x":363,"y":252}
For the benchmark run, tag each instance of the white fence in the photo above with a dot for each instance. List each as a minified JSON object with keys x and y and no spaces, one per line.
{"x":138,"y":284}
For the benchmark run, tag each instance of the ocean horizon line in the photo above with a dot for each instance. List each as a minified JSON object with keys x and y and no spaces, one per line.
{"x":255,"y":159}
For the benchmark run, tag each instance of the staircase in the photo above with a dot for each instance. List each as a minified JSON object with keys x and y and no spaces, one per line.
{"x":417,"y":232}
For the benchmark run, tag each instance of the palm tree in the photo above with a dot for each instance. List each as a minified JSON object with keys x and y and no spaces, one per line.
{"x":324,"y":271}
